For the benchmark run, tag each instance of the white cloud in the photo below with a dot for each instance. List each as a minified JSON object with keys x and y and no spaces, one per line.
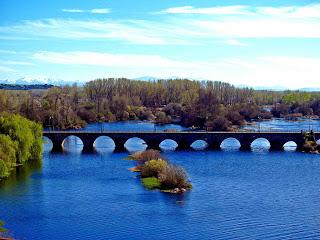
{"x":109,"y":60}
{"x":306,"y":11}
{"x":293,"y":72}
{"x":226,"y":10}
{"x":224,"y":23}
{"x":100,"y":10}
{"x":236,"y":42}
{"x":7,"y":51}
{"x":96,"y":10}
{"x":6,"y":69}
{"x":73,"y":10}
{"x":22,"y":63}
{"x":138,"y":32}
{"x":233,"y":22}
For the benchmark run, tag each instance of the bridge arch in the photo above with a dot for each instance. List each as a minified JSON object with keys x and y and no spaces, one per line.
{"x":290,"y":146}
{"x":104,"y":144}
{"x":230,"y":143}
{"x":260,"y":144}
{"x":72,"y":143}
{"x":168,"y":145}
{"x":135,"y":144}
{"x":199,"y":145}
{"x":47,"y":144}
{"x":318,"y":141}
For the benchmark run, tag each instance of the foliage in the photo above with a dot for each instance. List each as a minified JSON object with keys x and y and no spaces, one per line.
{"x":7,"y":155}
{"x":296,"y":97}
{"x":151,"y":183}
{"x":20,"y":140}
{"x":2,"y":229}
{"x":153,"y":168}
{"x":156,"y":172}
{"x":193,"y":103}
{"x":173,"y":176}
{"x":145,"y":156}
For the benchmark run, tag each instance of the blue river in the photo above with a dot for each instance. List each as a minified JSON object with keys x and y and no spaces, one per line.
{"x":235,"y":195}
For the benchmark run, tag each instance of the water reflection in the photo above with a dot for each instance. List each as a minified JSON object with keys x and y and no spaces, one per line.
{"x":47,"y":143}
{"x":21,"y":174}
{"x":199,"y":145}
{"x":230,"y":144}
{"x":135,"y":144}
{"x":104,"y":144}
{"x":260,"y":145}
{"x":72,"y":144}
{"x":168,"y":145}
{"x":290,"y":146}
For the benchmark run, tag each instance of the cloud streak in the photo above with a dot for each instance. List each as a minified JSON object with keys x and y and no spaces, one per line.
{"x":306,"y":11}
{"x":263,"y":70}
{"x":222,"y":23}
{"x":109,"y":60}
{"x":228,"y":10}
{"x":96,"y":10}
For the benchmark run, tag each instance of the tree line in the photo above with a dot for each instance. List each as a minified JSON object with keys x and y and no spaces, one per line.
{"x":200,"y":104}
{"x":20,"y":141}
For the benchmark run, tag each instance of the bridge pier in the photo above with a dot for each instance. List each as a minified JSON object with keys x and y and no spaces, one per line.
{"x":119,"y":145}
{"x":214,"y":145}
{"x":57,"y":146}
{"x":245,"y":146}
{"x":276,"y":145}
{"x":88,"y":146}
{"x":183,"y":145}
{"x":153,"y":144}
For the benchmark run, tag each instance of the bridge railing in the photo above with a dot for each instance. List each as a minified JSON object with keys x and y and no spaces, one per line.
{"x":262,"y":130}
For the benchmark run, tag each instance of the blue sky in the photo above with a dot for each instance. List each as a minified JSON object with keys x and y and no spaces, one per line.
{"x":254,"y":43}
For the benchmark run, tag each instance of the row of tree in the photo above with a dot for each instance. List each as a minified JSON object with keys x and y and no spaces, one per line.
{"x":207,"y":104}
{"x":20,"y":141}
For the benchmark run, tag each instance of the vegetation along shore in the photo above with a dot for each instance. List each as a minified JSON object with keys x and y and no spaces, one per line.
{"x":204,"y":105}
{"x":20,"y":141}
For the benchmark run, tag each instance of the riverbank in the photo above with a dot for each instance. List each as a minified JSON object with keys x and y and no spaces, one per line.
{"x":20,"y":141}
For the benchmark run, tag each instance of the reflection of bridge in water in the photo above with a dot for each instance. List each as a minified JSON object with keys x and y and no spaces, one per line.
{"x":184,"y":139}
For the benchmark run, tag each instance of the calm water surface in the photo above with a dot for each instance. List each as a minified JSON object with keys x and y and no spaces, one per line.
{"x":236,"y":195}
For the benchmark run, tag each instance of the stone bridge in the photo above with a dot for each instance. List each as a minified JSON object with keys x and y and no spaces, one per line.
{"x":183,"y":139}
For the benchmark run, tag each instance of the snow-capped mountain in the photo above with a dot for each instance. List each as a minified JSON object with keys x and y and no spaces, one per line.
{"x":37,"y":80}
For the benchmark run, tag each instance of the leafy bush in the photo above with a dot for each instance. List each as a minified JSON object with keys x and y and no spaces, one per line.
{"x":146,"y":156}
{"x":21,"y":140}
{"x":4,"y":171}
{"x":153,"y":168}
{"x":2,"y":229}
{"x":7,"y":155}
{"x":151,"y":183}
{"x":174,"y":177}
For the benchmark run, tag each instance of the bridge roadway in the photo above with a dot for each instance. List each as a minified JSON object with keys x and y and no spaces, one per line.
{"x":183,"y":139}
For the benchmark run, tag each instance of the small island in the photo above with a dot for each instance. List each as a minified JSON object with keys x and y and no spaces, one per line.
{"x":157,"y":173}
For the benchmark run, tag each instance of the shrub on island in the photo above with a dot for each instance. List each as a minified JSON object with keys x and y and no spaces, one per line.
{"x":144,"y":156}
{"x":157,"y":173}
{"x":153,"y":168}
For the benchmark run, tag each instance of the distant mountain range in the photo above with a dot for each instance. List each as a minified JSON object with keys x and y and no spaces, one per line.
{"x":38,"y":80}
{"x":59,"y":82}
